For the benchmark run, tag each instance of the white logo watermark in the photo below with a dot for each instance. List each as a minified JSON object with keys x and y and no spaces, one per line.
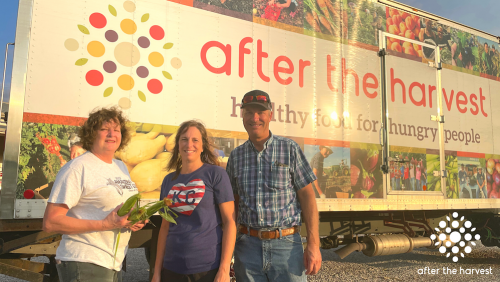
{"x":455,"y":240}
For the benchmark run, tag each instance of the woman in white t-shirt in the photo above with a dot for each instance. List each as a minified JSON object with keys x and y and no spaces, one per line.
{"x":84,"y":201}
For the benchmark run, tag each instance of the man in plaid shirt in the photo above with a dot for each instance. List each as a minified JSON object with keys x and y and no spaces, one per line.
{"x":272,"y":184}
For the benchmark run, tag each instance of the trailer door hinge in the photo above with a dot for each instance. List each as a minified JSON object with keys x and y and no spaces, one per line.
{"x":439,"y":119}
{"x":438,"y":66}
{"x":381,"y":53}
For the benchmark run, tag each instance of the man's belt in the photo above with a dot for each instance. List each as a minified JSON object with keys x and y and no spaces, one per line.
{"x":269,"y":234}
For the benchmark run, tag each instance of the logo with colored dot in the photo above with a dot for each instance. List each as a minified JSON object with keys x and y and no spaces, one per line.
{"x":119,"y":57}
{"x":455,"y":237}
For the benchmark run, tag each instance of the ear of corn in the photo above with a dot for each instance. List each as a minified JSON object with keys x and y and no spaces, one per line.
{"x":129,"y":204}
{"x":144,"y":213}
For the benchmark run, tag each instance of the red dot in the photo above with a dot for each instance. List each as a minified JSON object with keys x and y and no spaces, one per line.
{"x":155,"y":86}
{"x":94,"y":77}
{"x":156,"y":32}
{"x":97,"y":20}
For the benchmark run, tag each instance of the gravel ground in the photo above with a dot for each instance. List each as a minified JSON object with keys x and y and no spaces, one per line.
{"x":358,"y":267}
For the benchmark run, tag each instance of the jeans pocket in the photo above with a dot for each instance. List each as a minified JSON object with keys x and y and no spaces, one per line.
{"x":294,"y":238}
{"x":239,"y":237}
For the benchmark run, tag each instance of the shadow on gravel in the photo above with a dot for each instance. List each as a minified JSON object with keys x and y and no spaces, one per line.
{"x":416,"y":257}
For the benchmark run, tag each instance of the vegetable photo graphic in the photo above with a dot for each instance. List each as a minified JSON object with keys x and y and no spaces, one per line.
{"x":324,"y":16}
{"x":366,"y":177}
{"x":138,"y":65}
{"x":493,"y":176}
{"x":434,"y":182}
{"x":289,"y":12}
{"x":406,"y":25}
{"x":365,"y":20}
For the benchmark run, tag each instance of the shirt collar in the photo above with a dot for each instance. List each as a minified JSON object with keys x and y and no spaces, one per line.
{"x":266,"y":144}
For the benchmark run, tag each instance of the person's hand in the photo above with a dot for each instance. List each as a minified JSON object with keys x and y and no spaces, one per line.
{"x":312,"y":259}
{"x":139,"y":225}
{"x":156,"y":277}
{"x":76,"y":151}
{"x":222,"y":275}
{"x":114,"y":221}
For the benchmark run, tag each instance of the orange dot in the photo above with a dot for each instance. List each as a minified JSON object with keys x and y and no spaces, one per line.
{"x":125,"y":82}
{"x":96,"y":49}
{"x":156,"y":59}
{"x":128,"y":26}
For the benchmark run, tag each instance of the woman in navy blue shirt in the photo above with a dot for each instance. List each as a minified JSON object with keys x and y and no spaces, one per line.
{"x":200,"y":247}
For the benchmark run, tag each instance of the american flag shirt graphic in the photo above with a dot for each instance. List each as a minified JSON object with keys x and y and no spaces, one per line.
{"x":194,"y":244}
{"x":185,"y":198}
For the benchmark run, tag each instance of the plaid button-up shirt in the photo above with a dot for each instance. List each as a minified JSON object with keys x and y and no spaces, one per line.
{"x":267,"y":182}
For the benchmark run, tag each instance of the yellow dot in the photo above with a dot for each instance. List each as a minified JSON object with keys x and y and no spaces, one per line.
{"x":96,"y":48}
{"x":127,"y":54}
{"x":128,"y":26}
{"x":129,"y":6}
{"x":176,"y":63}
{"x":125,"y":82}
{"x":71,"y":44}
{"x":125,"y":103}
{"x":156,"y":59}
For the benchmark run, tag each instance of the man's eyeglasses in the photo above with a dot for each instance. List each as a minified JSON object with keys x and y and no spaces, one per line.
{"x":257,"y":98}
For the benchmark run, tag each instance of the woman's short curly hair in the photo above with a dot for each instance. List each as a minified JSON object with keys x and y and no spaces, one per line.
{"x":88,"y":131}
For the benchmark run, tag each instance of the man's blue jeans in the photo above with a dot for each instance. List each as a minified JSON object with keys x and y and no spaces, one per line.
{"x":476,"y":188}
{"x":462,"y":186}
{"x":274,"y":260}
{"x":485,"y":192}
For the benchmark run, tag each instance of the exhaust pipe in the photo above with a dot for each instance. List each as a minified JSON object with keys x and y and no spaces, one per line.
{"x":383,"y":245}
{"x":348,"y":249}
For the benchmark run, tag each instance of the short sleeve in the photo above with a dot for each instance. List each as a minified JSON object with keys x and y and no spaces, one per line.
{"x":67,"y":188}
{"x":222,"y":188}
{"x":303,"y":174}
{"x":165,"y":187}
{"x":230,"y":173}
{"x":314,"y":162}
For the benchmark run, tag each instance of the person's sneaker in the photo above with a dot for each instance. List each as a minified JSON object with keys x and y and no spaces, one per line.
{"x":322,"y":196}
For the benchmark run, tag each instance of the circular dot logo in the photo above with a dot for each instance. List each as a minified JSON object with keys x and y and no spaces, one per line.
{"x":97,"y":20}
{"x":157,"y":32}
{"x":128,"y":26}
{"x":94,"y":77}
{"x":120,"y":55}
{"x":455,"y":237}
{"x":111,"y":36}
{"x":96,"y":49}
{"x":109,"y":67}
{"x":71,"y":44}
{"x":156,"y":59}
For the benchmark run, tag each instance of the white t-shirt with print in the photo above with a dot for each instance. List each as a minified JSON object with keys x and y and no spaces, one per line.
{"x":92,"y":188}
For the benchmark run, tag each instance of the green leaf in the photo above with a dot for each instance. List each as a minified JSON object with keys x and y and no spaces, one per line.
{"x":108,"y":91}
{"x":167,"y":75}
{"x":83,"y":29}
{"x":141,"y":96}
{"x":145,"y":18}
{"x":168,"y":45}
{"x":168,"y":217}
{"x":81,"y":62}
{"x":112,"y":10}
